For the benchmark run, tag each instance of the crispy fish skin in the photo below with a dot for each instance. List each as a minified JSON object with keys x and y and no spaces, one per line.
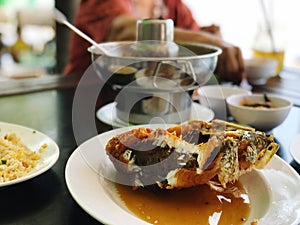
{"x":151,"y":154}
{"x":242,"y":148}
{"x":191,"y":154}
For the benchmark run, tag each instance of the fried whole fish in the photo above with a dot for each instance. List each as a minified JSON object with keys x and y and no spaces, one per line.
{"x":183,"y":156}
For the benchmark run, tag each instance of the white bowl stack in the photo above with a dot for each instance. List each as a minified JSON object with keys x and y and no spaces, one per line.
{"x":214,"y":97}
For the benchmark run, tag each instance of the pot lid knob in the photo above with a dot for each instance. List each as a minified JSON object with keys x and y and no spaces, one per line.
{"x":155,"y":29}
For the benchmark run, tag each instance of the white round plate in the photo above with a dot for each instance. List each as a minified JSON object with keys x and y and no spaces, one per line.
{"x":33,"y":139}
{"x":107,"y":114}
{"x":273,"y":191}
{"x":295,"y":148}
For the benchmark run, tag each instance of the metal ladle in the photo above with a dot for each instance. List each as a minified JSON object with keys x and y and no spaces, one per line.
{"x":61,"y":18}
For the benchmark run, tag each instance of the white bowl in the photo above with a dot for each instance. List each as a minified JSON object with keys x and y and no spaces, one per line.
{"x":259,"y":70}
{"x":214,"y":97}
{"x":264,"y":119}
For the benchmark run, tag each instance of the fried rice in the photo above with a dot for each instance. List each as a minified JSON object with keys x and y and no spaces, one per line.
{"x":16,"y":160}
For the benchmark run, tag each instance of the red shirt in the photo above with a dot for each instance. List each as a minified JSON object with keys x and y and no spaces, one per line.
{"x":95,"y":16}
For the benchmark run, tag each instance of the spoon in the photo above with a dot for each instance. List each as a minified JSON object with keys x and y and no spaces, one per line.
{"x":61,"y":18}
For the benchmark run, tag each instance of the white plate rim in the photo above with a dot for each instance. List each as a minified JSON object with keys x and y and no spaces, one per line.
{"x":77,"y":168}
{"x":111,"y":119}
{"x":49,"y":156}
{"x":295,"y":149}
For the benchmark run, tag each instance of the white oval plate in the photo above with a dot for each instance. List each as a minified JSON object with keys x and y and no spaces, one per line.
{"x":267,"y":189}
{"x":107,"y":114}
{"x":33,"y":139}
{"x":295,"y":148}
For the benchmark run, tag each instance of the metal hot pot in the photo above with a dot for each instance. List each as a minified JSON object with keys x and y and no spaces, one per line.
{"x":154,"y":77}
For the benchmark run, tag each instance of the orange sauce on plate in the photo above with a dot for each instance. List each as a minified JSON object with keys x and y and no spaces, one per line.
{"x":193,"y":206}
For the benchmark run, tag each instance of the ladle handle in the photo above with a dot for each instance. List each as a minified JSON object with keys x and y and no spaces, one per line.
{"x":155,"y":74}
{"x":189,"y":67}
{"x":61,"y":18}
{"x":192,"y":70}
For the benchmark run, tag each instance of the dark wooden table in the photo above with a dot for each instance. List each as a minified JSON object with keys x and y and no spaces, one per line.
{"x":286,"y":84}
{"x":45,"y":200}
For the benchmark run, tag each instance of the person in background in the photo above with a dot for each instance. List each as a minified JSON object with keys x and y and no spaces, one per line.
{"x":115,"y":20}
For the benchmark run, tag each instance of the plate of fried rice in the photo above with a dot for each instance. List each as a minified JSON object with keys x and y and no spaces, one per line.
{"x":24,"y":153}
